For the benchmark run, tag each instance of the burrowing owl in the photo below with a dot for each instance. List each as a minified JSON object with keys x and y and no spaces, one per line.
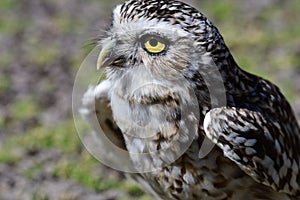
{"x":162,"y":59}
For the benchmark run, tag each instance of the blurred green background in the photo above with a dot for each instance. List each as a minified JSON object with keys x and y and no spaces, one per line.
{"x":42,"y":44}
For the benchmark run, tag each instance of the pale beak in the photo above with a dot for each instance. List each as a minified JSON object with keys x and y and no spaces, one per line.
{"x":106,"y":56}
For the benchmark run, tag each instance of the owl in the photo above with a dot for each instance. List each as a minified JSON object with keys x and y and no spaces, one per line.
{"x":195,"y":125}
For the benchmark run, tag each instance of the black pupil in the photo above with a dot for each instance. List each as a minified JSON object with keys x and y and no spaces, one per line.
{"x":153,"y":42}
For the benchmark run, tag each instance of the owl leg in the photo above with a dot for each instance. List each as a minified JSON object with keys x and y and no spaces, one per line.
{"x":261,"y":147}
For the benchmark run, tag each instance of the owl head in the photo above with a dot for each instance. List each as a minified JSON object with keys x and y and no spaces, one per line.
{"x":165,"y":38}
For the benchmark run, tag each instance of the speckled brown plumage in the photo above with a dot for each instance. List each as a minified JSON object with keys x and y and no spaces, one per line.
{"x":256,"y":134}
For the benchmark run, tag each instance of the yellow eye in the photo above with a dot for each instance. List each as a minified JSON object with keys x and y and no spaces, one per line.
{"x":154,"y":44}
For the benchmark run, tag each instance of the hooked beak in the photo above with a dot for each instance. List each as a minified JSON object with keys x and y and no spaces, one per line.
{"x":107,"y":56}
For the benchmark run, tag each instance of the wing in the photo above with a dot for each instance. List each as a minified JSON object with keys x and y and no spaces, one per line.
{"x":96,"y":102}
{"x":266,"y":149}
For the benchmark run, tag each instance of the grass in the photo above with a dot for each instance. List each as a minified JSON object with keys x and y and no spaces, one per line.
{"x":23,"y":109}
{"x":76,"y":164}
{"x":4,"y":83}
{"x":8,"y":4}
{"x":62,"y":138}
